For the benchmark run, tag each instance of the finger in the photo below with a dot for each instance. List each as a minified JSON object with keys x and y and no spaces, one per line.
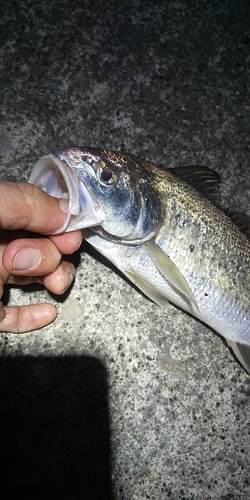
{"x":25,"y":206}
{"x":4,"y":274}
{"x":21,"y":319}
{"x":60,"y":280}
{"x":67,"y":243}
{"x":32,"y":257}
{"x":57,"y":282}
{"x":2,"y":311}
{"x":23,"y":280}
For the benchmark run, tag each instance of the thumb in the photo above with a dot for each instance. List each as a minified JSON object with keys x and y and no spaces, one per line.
{"x":25,"y":206}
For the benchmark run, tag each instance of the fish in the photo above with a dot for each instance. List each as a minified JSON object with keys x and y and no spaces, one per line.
{"x":164,"y":229}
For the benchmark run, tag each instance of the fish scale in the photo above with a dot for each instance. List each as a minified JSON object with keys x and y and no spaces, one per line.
{"x":160,"y":231}
{"x":219,"y":247}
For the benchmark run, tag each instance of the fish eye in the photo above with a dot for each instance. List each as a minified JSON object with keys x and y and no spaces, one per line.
{"x":106,"y":175}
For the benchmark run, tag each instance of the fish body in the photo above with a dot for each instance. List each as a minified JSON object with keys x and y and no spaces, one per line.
{"x":164,"y":235}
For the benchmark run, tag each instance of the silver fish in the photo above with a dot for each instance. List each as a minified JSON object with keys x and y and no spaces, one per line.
{"x":169,"y":239}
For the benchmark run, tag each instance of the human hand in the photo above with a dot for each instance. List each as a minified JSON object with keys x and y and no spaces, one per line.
{"x":27,"y":213}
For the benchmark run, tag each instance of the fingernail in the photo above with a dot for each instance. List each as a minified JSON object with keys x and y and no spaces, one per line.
{"x":26,"y":259}
{"x":63,"y":205}
{"x":71,"y":276}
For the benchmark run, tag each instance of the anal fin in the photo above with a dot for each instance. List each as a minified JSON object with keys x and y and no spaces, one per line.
{"x":242,"y":353}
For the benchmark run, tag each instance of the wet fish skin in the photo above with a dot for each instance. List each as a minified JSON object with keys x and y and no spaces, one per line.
{"x":146,"y":208}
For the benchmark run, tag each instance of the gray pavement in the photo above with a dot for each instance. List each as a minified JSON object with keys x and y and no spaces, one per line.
{"x":117,"y":397}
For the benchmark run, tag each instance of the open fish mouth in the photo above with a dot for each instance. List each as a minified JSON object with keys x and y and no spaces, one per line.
{"x":56,"y":178}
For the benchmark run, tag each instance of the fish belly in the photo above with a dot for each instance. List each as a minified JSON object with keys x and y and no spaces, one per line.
{"x":216,"y":307}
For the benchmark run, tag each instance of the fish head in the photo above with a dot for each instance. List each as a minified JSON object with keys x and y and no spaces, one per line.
{"x":108,"y":191}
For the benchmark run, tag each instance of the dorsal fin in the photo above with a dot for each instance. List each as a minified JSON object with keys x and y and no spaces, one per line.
{"x":205,"y":180}
{"x":241,"y":220}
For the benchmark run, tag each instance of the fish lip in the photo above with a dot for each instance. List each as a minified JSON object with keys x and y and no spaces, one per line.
{"x":55,"y":177}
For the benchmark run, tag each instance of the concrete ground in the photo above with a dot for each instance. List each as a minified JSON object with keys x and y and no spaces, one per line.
{"x":118,"y":398}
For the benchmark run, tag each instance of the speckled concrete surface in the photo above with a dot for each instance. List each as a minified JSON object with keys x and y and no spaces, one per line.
{"x":117,"y":394}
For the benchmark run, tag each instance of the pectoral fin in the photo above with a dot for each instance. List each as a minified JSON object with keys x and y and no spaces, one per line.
{"x":147,"y":289}
{"x":242,"y":353}
{"x":169,"y":270}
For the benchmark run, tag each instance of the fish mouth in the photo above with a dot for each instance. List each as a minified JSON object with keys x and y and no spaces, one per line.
{"x":56,"y":178}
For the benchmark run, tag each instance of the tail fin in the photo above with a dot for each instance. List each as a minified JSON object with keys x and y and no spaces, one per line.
{"x":242,"y":353}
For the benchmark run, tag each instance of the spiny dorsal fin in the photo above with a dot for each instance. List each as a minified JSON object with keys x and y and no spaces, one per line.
{"x":205,"y":180}
{"x":241,"y":220}
{"x":169,"y":270}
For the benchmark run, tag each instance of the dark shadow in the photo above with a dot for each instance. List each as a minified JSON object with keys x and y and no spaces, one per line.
{"x":55,"y":435}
